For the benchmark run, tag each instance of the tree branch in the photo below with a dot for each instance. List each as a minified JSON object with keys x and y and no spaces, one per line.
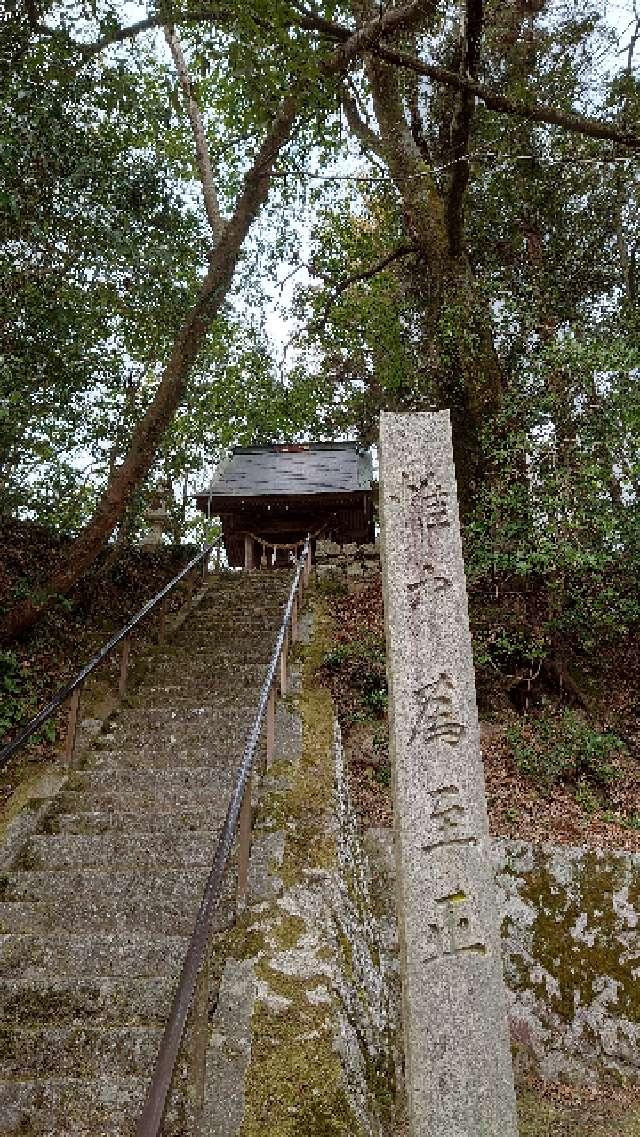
{"x":120,"y":35}
{"x":203,"y":158}
{"x":359,"y":277}
{"x":461,"y":124}
{"x":367,"y":36}
{"x":151,"y":428}
{"x":536,"y":112}
{"x":415,"y":118}
{"x":357,"y":125}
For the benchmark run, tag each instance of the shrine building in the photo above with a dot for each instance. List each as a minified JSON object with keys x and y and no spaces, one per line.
{"x":269,"y":498}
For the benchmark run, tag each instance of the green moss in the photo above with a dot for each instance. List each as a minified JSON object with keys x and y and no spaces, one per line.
{"x":286,"y":931}
{"x":578,"y":966}
{"x":298,"y":810}
{"x":294,"y":1084}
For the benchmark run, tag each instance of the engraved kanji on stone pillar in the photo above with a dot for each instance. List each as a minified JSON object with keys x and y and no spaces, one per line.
{"x":458,"y":1062}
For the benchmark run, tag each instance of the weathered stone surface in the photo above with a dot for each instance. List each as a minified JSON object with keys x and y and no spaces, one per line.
{"x":307,"y":962}
{"x":458,"y":1064}
{"x":325,"y":571}
{"x":229,"y":1051}
{"x":571,"y":945}
{"x":105,"y":870}
{"x":327,"y":549}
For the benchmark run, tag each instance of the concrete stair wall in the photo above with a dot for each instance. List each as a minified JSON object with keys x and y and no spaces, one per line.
{"x":98,"y":905}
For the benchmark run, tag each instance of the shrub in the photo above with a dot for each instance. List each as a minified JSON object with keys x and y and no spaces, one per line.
{"x":554,"y":747}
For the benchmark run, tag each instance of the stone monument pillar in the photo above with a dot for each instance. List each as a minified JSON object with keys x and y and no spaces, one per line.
{"x":458,"y":1062}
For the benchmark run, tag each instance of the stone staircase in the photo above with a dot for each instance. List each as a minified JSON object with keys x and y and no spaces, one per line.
{"x":96,"y":910}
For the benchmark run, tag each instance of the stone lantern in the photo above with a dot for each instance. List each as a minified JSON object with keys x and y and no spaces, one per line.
{"x":157,"y":516}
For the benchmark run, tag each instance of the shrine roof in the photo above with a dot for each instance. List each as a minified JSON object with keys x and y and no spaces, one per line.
{"x":300,"y":469}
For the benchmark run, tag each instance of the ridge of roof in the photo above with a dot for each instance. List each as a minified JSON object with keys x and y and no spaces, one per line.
{"x":297,"y":447}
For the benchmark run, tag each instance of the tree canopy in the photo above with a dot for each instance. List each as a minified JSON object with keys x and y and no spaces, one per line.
{"x":441,"y":197}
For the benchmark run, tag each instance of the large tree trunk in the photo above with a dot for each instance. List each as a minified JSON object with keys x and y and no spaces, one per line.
{"x":152,"y":426}
{"x":468,"y":380}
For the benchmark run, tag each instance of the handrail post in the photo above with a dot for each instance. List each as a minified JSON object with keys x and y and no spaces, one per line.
{"x":244,"y":846}
{"x":72,"y":726}
{"x":283,"y":665}
{"x":162,"y":620}
{"x":306,"y":572}
{"x":205,"y":568}
{"x":294,"y":620}
{"x":190,"y":583}
{"x":124,"y":665}
{"x":248,"y":552}
{"x":271,"y":726}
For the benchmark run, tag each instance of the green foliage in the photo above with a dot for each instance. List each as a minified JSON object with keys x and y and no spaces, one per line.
{"x":361,"y":664}
{"x":563,"y":747}
{"x":382,"y":774}
{"x":18,"y":698}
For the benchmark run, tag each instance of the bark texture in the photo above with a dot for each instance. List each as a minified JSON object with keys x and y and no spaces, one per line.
{"x":469,"y":382}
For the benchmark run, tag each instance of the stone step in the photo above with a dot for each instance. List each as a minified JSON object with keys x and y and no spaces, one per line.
{"x":91,"y":915}
{"x":165,"y":758}
{"x":256,"y":598}
{"x":101,"y":1002}
{"x":259,"y":585}
{"x":171,"y":823}
{"x":178,"y":660}
{"x":144,"y":731}
{"x":187,"y":702}
{"x":162,"y":801}
{"x":64,"y":1051}
{"x":222,"y":621}
{"x":116,"y":955}
{"x":77,"y":1107}
{"x":262,"y":620}
{"x":48,"y":853}
{"x":179,"y":888}
{"x":211,"y":679}
{"x":71,"y":1108}
{"x":198,"y":781}
{"x":218,"y":710}
{"x":161,"y":901}
{"x":224,"y":636}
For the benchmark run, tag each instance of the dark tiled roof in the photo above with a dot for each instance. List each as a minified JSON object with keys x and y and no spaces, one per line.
{"x":319,"y":468}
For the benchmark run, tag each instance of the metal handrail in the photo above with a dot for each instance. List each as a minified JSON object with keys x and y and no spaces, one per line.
{"x":74,"y":684}
{"x":150,"y":1119}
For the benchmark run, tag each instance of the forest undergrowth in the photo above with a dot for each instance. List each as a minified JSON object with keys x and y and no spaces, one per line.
{"x":34,"y":667}
{"x":560,"y":738}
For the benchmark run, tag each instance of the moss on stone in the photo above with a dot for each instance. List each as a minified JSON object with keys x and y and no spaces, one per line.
{"x":295,"y":1083}
{"x":577,"y":965}
{"x":286,"y":931}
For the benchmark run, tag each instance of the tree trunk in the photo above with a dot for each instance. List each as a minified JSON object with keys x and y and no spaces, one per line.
{"x":469,"y":382}
{"x":152,"y":426}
